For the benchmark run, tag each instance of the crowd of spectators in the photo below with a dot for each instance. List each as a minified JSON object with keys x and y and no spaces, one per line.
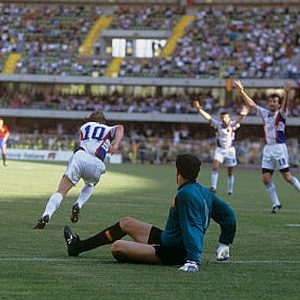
{"x":174,"y":104}
{"x":114,"y":103}
{"x":151,"y":143}
{"x":232,"y":41}
{"x":48,"y":37}
{"x":155,"y":17}
{"x":222,"y":42}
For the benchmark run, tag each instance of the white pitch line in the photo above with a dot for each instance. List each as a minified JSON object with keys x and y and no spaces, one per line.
{"x":22,"y":194}
{"x":293,"y":225}
{"x":269,"y":262}
{"x":92,"y":203}
{"x":101,"y":202}
{"x":43,"y":259}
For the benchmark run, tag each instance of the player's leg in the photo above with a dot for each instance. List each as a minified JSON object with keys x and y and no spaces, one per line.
{"x":54,"y":202}
{"x":69,"y":179}
{"x":3,"y":152}
{"x":290,"y":178}
{"x":83,"y":197}
{"x":130,"y":251}
{"x":228,"y":231}
{"x":270,"y":186}
{"x":91,"y":173}
{"x":231,"y":162}
{"x":138,"y":230}
{"x":268,"y":166}
{"x":230,"y":180}
{"x":64,"y":187}
{"x":214,"y":175}
{"x":283,"y":165}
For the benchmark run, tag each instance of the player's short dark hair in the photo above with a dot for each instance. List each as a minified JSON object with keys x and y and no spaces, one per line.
{"x":273,"y":96}
{"x":188,"y":166}
{"x":223,"y":113}
{"x":96,"y":116}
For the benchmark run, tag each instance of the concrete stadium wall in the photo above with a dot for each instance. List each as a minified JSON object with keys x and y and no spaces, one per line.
{"x":131,"y":81}
{"x":129,"y":117}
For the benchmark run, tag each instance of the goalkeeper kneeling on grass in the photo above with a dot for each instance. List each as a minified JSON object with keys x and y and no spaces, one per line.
{"x":181,"y":242}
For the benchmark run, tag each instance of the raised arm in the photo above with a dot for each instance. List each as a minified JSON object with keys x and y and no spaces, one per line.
{"x":114,"y":146}
{"x":203,"y":113}
{"x":284,"y":104}
{"x":243,"y":114}
{"x":245,"y":97}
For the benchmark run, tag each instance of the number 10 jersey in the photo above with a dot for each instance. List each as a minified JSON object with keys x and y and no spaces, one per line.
{"x":95,"y":138}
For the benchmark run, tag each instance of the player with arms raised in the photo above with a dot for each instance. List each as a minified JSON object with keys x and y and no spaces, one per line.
{"x":275,"y":153}
{"x":4,"y":133}
{"x":87,"y":162}
{"x":225,"y":151}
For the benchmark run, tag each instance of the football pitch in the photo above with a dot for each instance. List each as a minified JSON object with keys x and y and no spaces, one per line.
{"x":265,"y":257}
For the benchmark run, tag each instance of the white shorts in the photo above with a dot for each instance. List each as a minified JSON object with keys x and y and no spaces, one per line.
{"x":85,"y":166}
{"x":226,"y":155}
{"x":275,"y":156}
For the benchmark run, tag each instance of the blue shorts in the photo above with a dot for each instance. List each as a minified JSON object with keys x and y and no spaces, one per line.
{"x":2,"y":143}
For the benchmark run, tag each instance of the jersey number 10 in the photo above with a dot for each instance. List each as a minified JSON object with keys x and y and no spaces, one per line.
{"x":97,"y":133}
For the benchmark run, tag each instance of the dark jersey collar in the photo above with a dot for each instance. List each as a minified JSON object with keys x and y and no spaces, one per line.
{"x":187,"y":182}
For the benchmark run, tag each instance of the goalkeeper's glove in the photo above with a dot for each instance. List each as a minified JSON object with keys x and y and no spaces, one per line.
{"x":222,"y":252}
{"x":189,"y":266}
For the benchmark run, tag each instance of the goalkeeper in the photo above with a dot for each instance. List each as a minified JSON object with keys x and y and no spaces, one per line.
{"x":181,"y":242}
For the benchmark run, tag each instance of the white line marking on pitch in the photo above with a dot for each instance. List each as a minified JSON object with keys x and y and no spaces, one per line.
{"x":22,"y":194}
{"x":271,"y":262}
{"x":293,"y":225}
{"x":43,"y":259}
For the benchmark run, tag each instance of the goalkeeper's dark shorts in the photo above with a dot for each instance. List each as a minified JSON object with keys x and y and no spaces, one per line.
{"x":167,"y":255}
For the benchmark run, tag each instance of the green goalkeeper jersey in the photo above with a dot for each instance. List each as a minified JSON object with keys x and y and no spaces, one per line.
{"x":189,"y":217}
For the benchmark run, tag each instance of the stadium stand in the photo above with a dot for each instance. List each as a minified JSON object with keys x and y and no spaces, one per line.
{"x":222,"y":42}
{"x":217,"y":42}
{"x":153,"y":17}
{"x":169,"y":104}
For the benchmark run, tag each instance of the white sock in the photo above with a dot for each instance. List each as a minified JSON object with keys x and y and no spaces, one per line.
{"x":230,"y":181}
{"x":85,"y":195}
{"x":272,"y":193}
{"x":295,"y":183}
{"x":214,"y":179}
{"x":53,"y":204}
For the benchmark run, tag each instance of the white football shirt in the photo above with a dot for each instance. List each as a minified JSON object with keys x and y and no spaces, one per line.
{"x":224,"y":135}
{"x":274,"y":126}
{"x":95,"y":138}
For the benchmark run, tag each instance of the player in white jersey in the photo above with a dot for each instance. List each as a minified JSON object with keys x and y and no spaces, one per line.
{"x":224,"y":151}
{"x":97,"y":142}
{"x":275,"y":153}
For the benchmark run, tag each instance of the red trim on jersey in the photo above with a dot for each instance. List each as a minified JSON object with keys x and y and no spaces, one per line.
{"x":3,"y":131}
{"x":276,"y":125}
{"x":103,"y":141}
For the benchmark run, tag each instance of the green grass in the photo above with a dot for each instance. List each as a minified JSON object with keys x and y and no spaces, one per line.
{"x":266,"y":247}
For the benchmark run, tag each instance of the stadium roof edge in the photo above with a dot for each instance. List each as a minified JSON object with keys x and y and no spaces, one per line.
{"x":129,"y":81}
